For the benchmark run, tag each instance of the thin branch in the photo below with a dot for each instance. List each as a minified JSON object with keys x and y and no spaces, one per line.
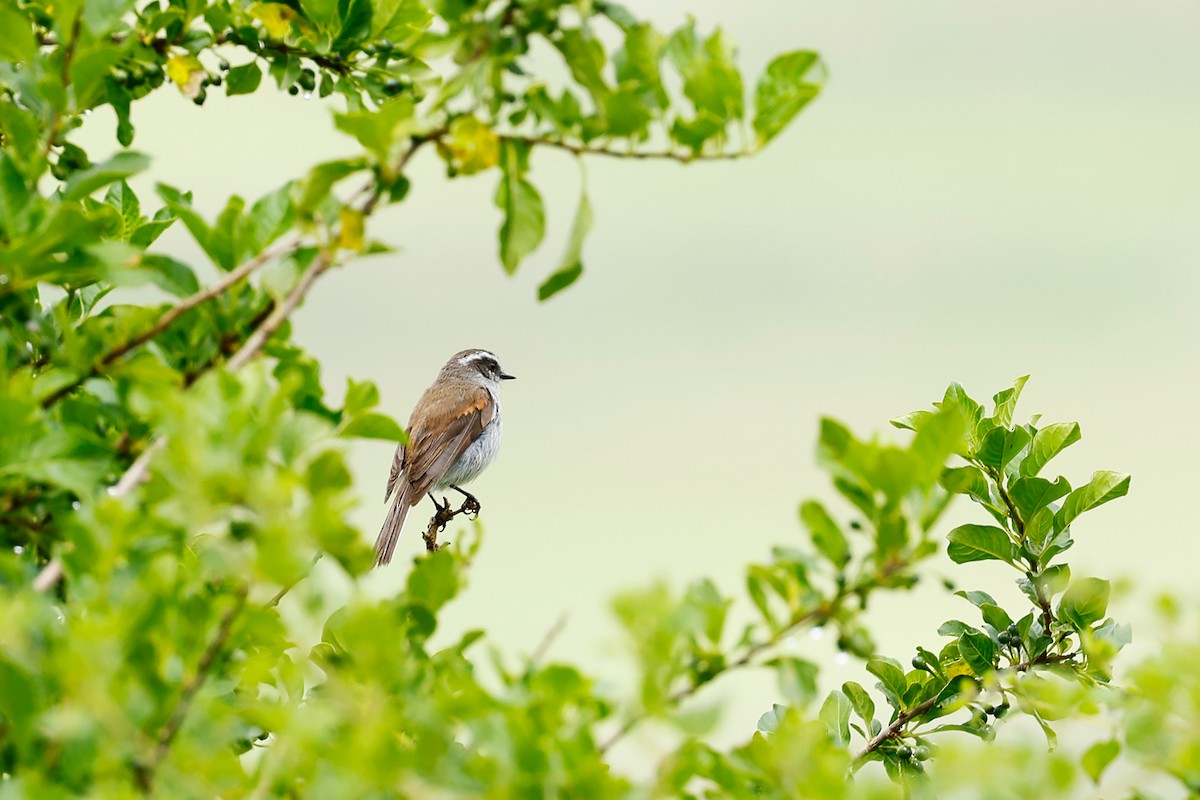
{"x":50,"y":575}
{"x":895,"y":729}
{"x":175,"y":312}
{"x":818,"y":615}
{"x":274,"y":601}
{"x":1043,"y":602}
{"x":260,"y":336}
{"x":167,"y":734}
{"x":544,"y":646}
{"x":672,"y":155}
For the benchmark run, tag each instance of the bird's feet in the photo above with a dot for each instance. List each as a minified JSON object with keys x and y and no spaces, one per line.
{"x":444,"y":514}
{"x":470,"y":504}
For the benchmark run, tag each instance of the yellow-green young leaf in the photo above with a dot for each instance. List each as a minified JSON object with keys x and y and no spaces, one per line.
{"x":1084,"y":602}
{"x":827,"y":537}
{"x":980,"y":543}
{"x":350,"y":235}
{"x":186,"y":72}
{"x":1097,"y":758}
{"x":471,"y":147}
{"x":276,"y":18}
{"x":783,"y":90}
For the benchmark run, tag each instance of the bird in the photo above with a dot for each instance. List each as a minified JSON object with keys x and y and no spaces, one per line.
{"x":453,"y":435}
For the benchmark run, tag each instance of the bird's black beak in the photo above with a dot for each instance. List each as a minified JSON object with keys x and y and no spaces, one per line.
{"x":504,"y":376}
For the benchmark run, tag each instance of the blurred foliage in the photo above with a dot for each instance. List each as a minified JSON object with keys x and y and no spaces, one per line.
{"x":171,"y":471}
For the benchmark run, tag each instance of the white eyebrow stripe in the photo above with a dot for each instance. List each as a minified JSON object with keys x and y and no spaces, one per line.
{"x":478,"y":354}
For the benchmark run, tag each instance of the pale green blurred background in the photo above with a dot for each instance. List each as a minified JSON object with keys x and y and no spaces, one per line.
{"x":983,"y":190}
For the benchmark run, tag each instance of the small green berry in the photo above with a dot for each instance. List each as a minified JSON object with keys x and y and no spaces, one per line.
{"x":200,"y":97}
{"x":1004,"y":637}
{"x":223,"y":65}
{"x":922,"y":753}
{"x":392,"y":86}
{"x":293,"y":90}
{"x":904,"y":751}
{"x":307,"y":80}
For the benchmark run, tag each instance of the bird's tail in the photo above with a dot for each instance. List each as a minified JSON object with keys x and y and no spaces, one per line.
{"x":390,"y":533}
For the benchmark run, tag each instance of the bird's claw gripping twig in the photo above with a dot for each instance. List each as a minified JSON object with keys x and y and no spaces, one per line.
{"x":443,"y":516}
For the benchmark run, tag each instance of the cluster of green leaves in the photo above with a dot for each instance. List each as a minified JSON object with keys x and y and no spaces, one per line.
{"x":1009,"y":654}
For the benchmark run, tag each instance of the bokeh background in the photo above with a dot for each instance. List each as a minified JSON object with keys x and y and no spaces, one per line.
{"x":982,"y":191}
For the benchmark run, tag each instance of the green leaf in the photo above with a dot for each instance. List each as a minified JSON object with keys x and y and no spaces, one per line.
{"x":797,"y":679}
{"x":1103,"y":487}
{"x":964,"y":480}
{"x":14,"y":199}
{"x":243,"y":79}
{"x":1084,"y":602}
{"x":1000,"y":446}
{"x":571,"y":266}
{"x":360,"y":396}
{"x":976,"y":598}
{"x":980,"y":543}
{"x":374,"y":426}
{"x":1030,"y":494}
{"x":1047,"y":443}
{"x":434,"y":580}
{"x":978,"y":650}
{"x":584,"y":56}
{"x":16,"y":35}
{"x":1097,"y":758}
{"x":524,"y":222}
{"x":835,"y":713}
{"x":379,"y":130}
{"x":891,"y":678}
{"x":860,"y":701}
{"x":827,"y":537}
{"x":769,"y":721}
{"x":940,"y":436}
{"x":1006,"y":402}
{"x":783,"y":90}
{"x":120,"y":166}
{"x":957,"y":396}
{"x":995,"y":616}
{"x":311,"y":192}
{"x":170,"y":275}
{"x":356,"y":18}
{"x":911,"y":421}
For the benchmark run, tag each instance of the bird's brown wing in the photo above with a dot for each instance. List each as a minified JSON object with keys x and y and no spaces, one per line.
{"x":441,"y":429}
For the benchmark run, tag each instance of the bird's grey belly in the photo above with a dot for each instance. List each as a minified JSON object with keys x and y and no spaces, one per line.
{"x":475,"y":458}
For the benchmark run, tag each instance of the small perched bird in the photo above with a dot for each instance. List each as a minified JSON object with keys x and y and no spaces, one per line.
{"x":453,"y":434}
